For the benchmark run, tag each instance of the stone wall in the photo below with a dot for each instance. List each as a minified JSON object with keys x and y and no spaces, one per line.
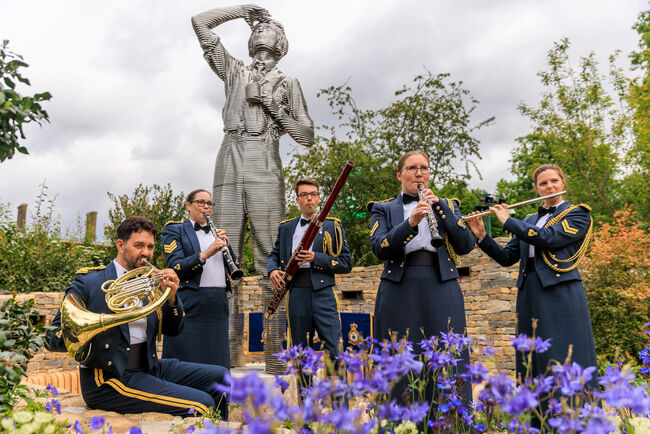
{"x":489,"y":291}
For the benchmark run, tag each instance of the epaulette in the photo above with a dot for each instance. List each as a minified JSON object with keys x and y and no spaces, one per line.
{"x":171,"y":222}
{"x":370,"y":204}
{"x":287,"y":220}
{"x":585,"y":206}
{"x":334,"y":218}
{"x":531,"y":213}
{"x":85,"y":270}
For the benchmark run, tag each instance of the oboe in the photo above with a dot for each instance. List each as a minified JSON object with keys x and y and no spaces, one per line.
{"x":436,"y":239}
{"x":234,"y":272}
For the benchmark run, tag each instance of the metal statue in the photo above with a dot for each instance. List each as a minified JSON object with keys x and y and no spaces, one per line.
{"x":261,"y":105}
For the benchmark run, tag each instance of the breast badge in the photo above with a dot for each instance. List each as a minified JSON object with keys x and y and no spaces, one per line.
{"x":354,"y":337}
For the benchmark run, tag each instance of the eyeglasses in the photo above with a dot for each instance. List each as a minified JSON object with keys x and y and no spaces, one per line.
{"x":308,"y":193}
{"x":202,"y":202}
{"x":412,"y":170}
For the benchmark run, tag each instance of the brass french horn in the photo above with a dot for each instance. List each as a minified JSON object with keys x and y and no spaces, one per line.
{"x":123,"y":295}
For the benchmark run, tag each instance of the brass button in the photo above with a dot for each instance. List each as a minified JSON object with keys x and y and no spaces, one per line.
{"x":392,"y":262}
{"x":153,"y":355}
{"x":107,"y":346}
{"x":440,"y":212}
{"x":443,"y":216}
{"x":388,"y":271}
{"x":128,"y":348}
{"x":448,"y":260}
{"x":322,"y":281}
{"x":109,"y":363}
{"x":557,"y":275}
{"x":438,"y":207}
{"x":401,"y":265}
{"x":451,"y":269}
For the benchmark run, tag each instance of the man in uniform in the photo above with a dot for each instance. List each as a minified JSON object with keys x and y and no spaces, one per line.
{"x":313,"y":305}
{"x":122,"y":372}
{"x":261,"y":105}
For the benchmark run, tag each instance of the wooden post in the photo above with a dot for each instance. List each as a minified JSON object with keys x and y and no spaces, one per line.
{"x":22,"y":215}
{"x":91,"y":226}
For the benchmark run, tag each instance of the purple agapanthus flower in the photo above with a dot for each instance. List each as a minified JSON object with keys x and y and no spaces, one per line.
{"x":281,"y":383}
{"x":97,"y":422}
{"x":78,"y":429}
{"x":135,"y":430}
{"x":190,"y":429}
{"x":572,"y":377}
{"x":52,"y":389}
{"x":57,"y":405}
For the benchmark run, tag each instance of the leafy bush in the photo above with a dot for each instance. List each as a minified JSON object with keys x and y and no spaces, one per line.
{"x":617,"y":281}
{"x":158,"y":204}
{"x":38,"y":258}
{"x":19,"y":341}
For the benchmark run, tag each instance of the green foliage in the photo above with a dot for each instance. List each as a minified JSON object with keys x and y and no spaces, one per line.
{"x":434,"y":116}
{"x":20,"y":339}
{"x":16,"y":110}
{"x":617,"y":280}
{"x":635,"y":183}
{"x":579,"y":126}
{"x":157,"y":203}
{"x":38,"y":258}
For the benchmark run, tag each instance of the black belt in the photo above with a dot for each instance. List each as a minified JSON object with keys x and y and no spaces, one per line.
{"x":421,"y":257}
{"x":137,"y":356}
{"x":530,"y":264}
{"x":302,"y":277}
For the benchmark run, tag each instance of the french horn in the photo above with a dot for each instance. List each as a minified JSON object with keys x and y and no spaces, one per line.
{"x":123,"y":296}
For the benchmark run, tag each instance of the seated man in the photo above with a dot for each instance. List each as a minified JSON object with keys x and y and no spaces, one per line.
{"x":122,"y":372}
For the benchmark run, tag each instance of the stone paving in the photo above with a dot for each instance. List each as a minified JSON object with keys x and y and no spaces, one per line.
{"x":74,"y":409}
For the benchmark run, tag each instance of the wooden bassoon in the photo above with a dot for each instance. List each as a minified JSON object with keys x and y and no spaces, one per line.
{"x":306,"y":241}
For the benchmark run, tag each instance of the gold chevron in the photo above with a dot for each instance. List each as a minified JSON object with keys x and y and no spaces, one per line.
{"x":568,"y":229}
{"x":168,"y":248}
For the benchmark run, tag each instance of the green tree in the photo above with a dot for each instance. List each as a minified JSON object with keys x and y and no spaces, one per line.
{"x":434,"y":115}
{"x":157,"y":203}
{"x":16,"y":110}
{"x":38,"y":257}
{"x":578,"y":125}
{"x":635,"y":183}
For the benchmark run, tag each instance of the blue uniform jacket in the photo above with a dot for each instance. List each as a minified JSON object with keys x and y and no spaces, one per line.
{"x":563,"y":239}
{"x":110,"y":349}
{"x":325,"y":264}
{"x":389,"y":234}
{"x":181,"y":249}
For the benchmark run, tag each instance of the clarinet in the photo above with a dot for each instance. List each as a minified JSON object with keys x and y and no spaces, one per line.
{"x":234,"y":272}
{"x":436,"y":239}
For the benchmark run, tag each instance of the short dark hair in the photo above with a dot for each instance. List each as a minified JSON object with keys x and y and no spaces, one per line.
{"x":306,"y":182}
{"x":190,"y":197}
{"x":134,"y":224}
{"x":402,"y":159}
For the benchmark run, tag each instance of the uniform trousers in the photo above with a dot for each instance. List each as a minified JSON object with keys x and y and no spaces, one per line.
{"x":171,"y":387}
{"x":311,"y":310}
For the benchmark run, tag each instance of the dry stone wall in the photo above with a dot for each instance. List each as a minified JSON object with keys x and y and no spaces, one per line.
{"x":489,"y":291}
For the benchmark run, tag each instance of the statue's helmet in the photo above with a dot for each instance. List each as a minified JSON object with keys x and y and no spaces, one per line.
{"x":281,"y":45}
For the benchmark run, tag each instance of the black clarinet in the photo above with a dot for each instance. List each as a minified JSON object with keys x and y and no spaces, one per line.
{"x":436,"y":239}
{"x":234,"y":272}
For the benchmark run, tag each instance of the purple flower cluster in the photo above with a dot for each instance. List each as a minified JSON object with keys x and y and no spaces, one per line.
{"x":373,"y":368}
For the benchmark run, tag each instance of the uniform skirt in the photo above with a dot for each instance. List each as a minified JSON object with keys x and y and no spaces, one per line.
{"x":425,"y":306}
{"x":204,"y":338}
{"x":562,"y":316}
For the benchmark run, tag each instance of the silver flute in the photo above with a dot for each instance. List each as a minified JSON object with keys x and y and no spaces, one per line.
{"x":234,"y":272}
{"x":436,"y":239}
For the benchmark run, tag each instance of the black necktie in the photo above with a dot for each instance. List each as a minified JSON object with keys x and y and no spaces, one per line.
{"x":408,"y":198}
{"x":198,"y":227}
{"x":541,"y":211}
{"x":303,"y":221}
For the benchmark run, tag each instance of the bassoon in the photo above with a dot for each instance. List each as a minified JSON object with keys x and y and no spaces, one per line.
{"x":306,"y":241}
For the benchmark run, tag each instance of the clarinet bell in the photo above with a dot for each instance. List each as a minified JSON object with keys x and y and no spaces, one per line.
{"x":437,"y":240}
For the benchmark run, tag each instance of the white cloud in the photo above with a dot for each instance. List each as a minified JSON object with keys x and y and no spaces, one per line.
{"x":134,"y":101}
